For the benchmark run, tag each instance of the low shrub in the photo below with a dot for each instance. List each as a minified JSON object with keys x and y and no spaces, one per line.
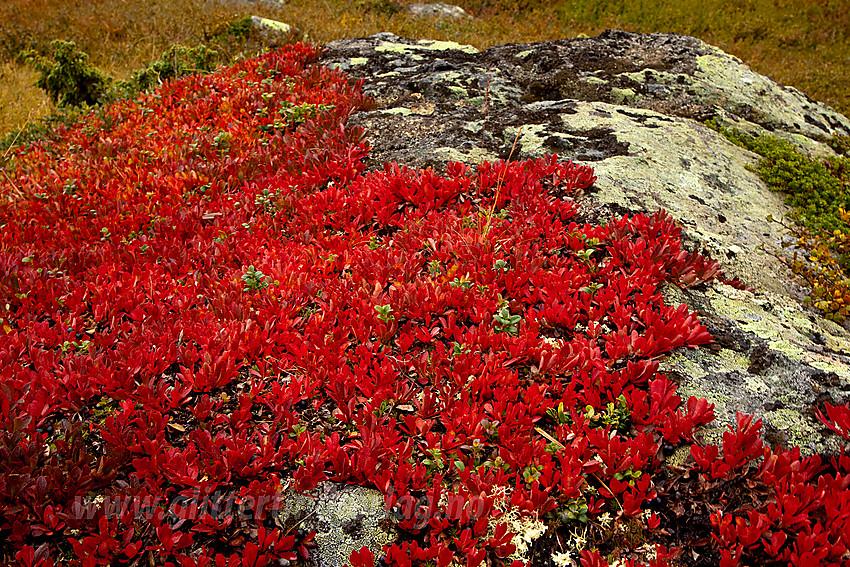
{"x":77,"y":87}
{"x":818,"y":191}
{"x":205,"y":299}
{"x":178,"y":61}
{"x":68,"y":79}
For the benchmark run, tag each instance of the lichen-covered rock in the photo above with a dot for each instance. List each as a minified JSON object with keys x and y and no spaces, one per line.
{"x":770,"y":358}
{"x":272,"y":33}
{"x":631,"y":106}
{"x":437,"y":10}
{"x":344,"y":517}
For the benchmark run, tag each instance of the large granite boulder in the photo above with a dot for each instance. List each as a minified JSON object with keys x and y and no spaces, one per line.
{"x":632,"y":106}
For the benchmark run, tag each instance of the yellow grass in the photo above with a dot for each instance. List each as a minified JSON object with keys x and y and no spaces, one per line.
{"x":20,"y":100}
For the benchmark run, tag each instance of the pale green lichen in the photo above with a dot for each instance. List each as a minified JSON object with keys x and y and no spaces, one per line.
{"x":444,"y":45}
{"x":679,"y":456}
{"x":659,"y":77}
{"x":272,"y":24}
{"x":724,"y":80}
{"x":525,"y":53}
{"x":786,"y":329}
{"x":451,"y":81}
{"x":358,"y":60}
{"x":474,"y":126}
{"x":397,"y":110}
{"x":387,"y":46}
{"x":472,"y":156}
{"x":788,"y":348}
{"x":688,"y":389}
{"x":458,"y":91}
{"x":530,"y":137}
{"x":622,"y":96}
{"x":750,"y":379}
{"x":756,"y":385}
{"x":729,"y":359}
{"x":693,"y":363}
{"x":681,"y":364}
{"x":799,"y":431}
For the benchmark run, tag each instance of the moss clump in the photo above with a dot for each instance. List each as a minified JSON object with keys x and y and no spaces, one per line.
{"x":818,"y":190}
{"x":240,"y":29}
{"x":840,"y":144}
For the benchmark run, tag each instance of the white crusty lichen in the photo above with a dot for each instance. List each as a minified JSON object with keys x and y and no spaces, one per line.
{"x":575,"y":543}
{"x":344,"y":517}
{"x":527,"y":528}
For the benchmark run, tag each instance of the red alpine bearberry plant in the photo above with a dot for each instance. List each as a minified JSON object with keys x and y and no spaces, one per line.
{"x":205,"y":299}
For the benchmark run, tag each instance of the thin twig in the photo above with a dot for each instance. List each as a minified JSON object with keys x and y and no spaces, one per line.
{"x":486,"y":229}
{"x":20,"y":194}
{"x":486,"y":109}
{"x":551,"y":439}
{"x":19,"y":132}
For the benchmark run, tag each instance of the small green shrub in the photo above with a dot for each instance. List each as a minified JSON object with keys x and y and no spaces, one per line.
{"x":178,"y":61}
{"x":239,"y":29}
{"x":816,"y":188}
{"x":69,"y":79}
{"x":819,"y":192}
{"x":255,"y":280}
{"x":505,"y":322}
{"x":74,"y":85}
{"x":841,"y":145}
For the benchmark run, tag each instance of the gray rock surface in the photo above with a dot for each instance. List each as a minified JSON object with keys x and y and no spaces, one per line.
{"x":272,"y":33}
{"x":631,"y":106}
{"x":437,"y":10}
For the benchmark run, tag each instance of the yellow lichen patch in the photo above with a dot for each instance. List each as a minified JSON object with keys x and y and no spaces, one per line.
{"x":424,"y":44}
{"x":796,"y":430}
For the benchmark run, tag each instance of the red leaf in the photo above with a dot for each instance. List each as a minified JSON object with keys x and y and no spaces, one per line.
{"x":362,"y":558}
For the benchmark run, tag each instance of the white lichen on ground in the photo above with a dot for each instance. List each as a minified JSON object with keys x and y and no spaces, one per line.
{"x":527,"y":528}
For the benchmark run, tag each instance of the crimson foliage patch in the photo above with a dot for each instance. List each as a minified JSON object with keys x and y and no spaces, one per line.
{"x":203,"y":295}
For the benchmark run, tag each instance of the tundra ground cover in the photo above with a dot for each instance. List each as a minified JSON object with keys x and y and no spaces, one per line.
{"x":203,"y":295}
